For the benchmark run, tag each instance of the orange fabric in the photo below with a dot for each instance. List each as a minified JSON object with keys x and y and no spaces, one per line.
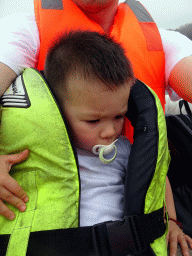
{"x":141,"y":41}
{"x":52,"y":23}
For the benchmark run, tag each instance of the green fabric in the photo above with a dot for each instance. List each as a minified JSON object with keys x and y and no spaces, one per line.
{"x":155,"y":197}
{"x":50,"y":174}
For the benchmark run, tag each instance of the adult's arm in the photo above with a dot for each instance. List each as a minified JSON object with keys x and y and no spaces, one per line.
{"x":19,"y":46}
{"x":178,"y":63}
{"x":7,"y":76}
{"x":186,"y":65}
{"x":180,"y":79}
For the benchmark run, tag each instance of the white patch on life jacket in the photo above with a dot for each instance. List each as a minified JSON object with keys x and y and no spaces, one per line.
{"x":16,"y":95}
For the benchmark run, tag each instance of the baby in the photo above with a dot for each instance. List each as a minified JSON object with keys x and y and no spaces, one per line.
{"x":91,"y":79}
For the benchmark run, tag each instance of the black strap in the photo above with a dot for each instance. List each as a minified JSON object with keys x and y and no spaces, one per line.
{"x":188,"y":110}
{"x":83,"y":241}
{"x":131,"y":236}
{"x":135,"y":233}
{"x":119,"y":238}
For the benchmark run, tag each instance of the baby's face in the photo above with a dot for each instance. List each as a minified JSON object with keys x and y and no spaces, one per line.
{"x":95,"y":113}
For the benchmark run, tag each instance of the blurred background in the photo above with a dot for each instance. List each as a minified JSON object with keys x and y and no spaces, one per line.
{"x":166,"y":13}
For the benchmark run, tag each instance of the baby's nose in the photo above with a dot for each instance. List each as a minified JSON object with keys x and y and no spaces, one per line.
{"x":108,"y":131}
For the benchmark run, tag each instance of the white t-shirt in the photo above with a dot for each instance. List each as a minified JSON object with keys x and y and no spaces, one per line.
{"x":102,"y":185}
{"x":20,"y":44}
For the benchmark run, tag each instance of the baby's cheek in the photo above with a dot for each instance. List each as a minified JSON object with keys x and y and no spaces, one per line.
{"x":85,"y":141}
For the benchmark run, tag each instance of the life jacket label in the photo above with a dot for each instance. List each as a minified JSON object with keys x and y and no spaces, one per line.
{"x":16,"y":95}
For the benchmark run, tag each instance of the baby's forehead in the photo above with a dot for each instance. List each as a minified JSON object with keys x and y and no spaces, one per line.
{"x":80,"y":90}
{"x":78,"y":81}
{"x":99,"y":103}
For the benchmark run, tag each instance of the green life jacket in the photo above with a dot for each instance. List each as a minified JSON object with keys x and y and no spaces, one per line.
{"x":31,"y":118}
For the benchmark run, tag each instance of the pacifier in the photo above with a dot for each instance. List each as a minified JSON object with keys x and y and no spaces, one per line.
{"x":105,"y":150}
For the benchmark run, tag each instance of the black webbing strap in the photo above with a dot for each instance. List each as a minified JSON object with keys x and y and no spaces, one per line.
{"x":188,"y":110}
{"x":83,"y":241}
{"x":132,"y":235}
{"x":135,"y":233}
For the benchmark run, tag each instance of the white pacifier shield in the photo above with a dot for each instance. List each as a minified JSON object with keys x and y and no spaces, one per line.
{"x":105,"y":150}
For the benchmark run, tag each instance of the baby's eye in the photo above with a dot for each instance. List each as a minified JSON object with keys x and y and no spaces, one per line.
{"x":93,"y":121}
{"x":119,"y":117}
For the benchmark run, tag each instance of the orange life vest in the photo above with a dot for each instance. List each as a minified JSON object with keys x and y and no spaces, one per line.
{"x":133,"y":27}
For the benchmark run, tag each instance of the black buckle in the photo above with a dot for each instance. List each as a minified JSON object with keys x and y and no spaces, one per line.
{"x":124,"y":237}
{"x":135,"y":233}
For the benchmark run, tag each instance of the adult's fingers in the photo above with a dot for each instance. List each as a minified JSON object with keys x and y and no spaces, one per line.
{"x":5,"y":211}
{"x":8,"y":197}
{"x":16,"y":158}
{"x":173,"y":245}
{"x":184,"y":245}
{"x":14,"y":188}
{"x":189,"y":240}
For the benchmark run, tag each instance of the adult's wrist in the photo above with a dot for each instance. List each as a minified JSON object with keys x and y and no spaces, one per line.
{"x":177,"y":222}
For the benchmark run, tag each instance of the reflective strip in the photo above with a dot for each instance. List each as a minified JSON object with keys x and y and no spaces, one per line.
{"x":52,"y":4}
{"x":140,"y":12}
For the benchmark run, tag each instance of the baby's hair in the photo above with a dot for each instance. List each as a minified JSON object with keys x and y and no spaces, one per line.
{"x":90,"y":55}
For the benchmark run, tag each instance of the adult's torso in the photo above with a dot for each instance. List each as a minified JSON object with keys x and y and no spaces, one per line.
{"x":133,"y":28}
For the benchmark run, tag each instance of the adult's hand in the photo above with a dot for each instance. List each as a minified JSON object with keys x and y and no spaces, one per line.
{"x":10,"y":190}
{"x":174,"y":237}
